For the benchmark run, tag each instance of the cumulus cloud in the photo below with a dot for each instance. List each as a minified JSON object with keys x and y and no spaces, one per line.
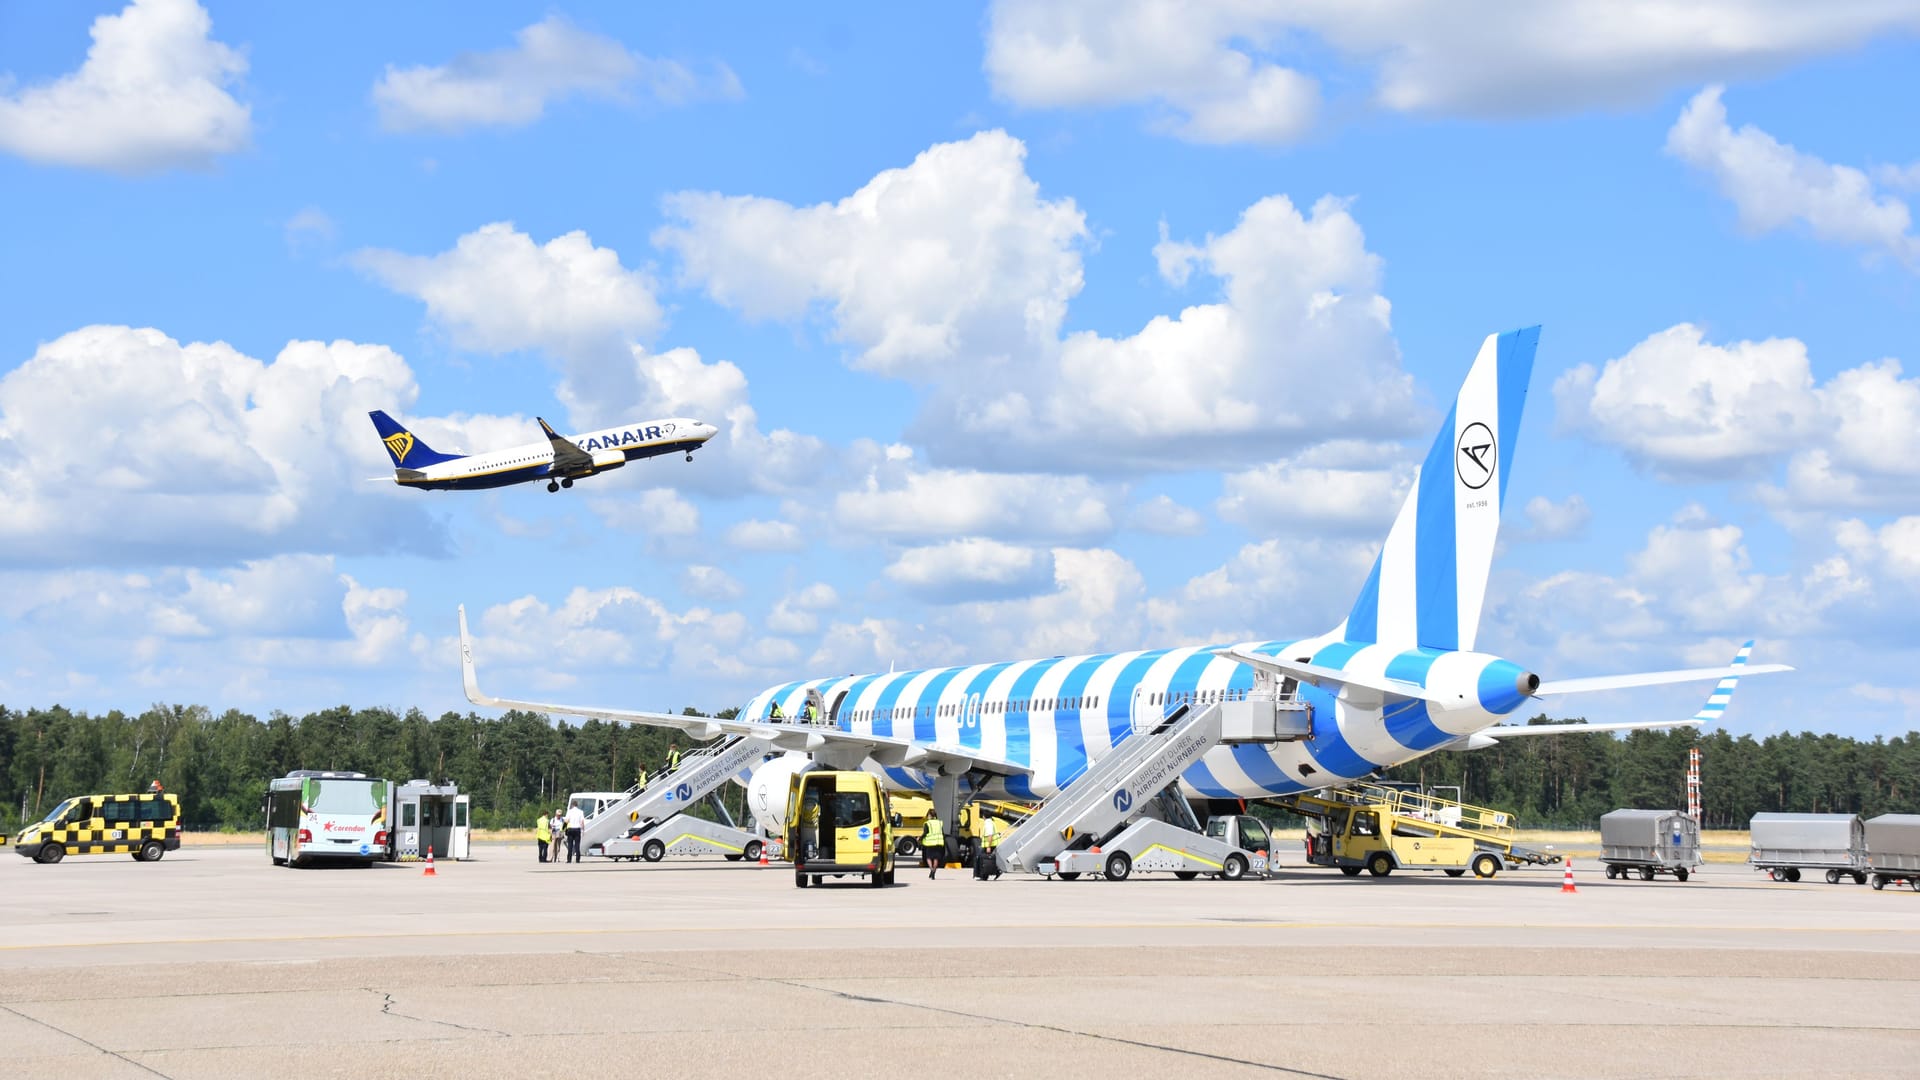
{"x":1343,"y":487}
{"x":1231,"y":70}
{"x":954,"y":272}
{"x":1275,"y":588}
{"x":152,"y":95}
{"x":954,"y":257}
{"x":1773,"y":185}
{"x":1689,"y":409}
{"x":550,"y":61}
{"x":710,"y":583}
{"x":496,"y":291}
{"x":901,"y":500}
{"x":622,"y":627}
{"x":759,"y":535}
{"x":798,"y":613}
{"x":971,"y":569}
{"x":1162,"y":516}
{"x":1549,"y":520}
{"x":198,"y":454}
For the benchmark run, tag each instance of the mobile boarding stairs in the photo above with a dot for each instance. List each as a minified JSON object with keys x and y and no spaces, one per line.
{"x":653,"y":821}
{"x":1125,"y":813}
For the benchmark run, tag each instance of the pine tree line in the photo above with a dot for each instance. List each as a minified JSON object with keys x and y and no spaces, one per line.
{"x":520,"y":763}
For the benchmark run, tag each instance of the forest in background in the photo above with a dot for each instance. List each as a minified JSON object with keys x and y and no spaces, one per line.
{"x":518,"y":763}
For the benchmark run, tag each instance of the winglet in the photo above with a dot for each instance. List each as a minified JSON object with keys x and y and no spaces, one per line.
{"x":467,"y":674}
{"x":548,"y":428}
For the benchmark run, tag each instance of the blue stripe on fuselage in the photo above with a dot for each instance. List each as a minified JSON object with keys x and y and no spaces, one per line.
{"x":1409,"y":722}
{"x":1020,"y":725}
{"x":926,"y":729}
{"x":1436,"y":571}
{"x":1069,"y":747}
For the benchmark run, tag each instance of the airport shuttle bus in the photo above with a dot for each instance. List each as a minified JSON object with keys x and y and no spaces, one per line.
{"x":329,"y":816}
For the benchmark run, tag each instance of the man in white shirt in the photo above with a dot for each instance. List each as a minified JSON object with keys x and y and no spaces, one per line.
{"x":576,"y":821}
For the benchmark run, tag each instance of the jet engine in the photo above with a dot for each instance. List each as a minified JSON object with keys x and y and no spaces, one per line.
{"x":767,"y":791}
{"x":606,"y":459}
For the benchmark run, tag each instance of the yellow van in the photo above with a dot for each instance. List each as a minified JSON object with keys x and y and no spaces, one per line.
{"x":146,"y":826}
{"x":838,"y":823}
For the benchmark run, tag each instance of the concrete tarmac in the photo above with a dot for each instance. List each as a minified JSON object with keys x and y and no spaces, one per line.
{"x":213,"y":963}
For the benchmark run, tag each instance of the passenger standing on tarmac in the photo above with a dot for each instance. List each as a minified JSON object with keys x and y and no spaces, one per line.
{"x":933,"y":842}
{"x":543,"y":833}
{"x":576,"y":821}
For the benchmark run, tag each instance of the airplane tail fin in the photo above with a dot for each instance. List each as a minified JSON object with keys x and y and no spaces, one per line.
{"x":406,"y":449}
{"x":1430,"y":579}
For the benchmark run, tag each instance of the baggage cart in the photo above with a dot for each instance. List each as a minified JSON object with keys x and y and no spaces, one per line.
{"x":1786,"y":844}
{"x":1893,"y":850}
{"x":1649,"y":843}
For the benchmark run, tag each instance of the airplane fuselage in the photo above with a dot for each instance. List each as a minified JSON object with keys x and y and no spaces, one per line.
{"x":534,"y":461}
{"x":1059,"y":714}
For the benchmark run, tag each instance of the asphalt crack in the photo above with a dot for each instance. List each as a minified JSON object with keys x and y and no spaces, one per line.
{"x":386,"y":1009}
{"x":82,"y":1039}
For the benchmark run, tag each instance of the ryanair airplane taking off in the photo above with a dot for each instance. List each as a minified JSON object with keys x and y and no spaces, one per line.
{"x":559,"y":461}
{"x":1398,"y":679}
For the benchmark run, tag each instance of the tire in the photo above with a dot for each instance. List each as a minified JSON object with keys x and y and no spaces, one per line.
{"x":1186,"y":875}
{"x":1833,"y":877}
{"x":907,"y":848}
{"x":1119,"y":866}
{"x":800,"y":880}
{"x":50,"y":854}
{"x":1879,"y":881}
{"x":1612,"y":871}
{"x":753,"y":850}
{"x":1454,"y":871}
{"x":1777,"y":874}
{"x":1068,"y":875}
{"x":1379,"y":864}
{"x":277,"y":860}
{"x":151,"y":851}
{"x":1680,"y":872}
{"x":1234,"y":869}
{"x":1793,"y":874}
{"x":653,"y":850}
{"x":1859,"y":877}
{"x":1350,"y":871}
{"x":1485,"y":865}
{"x":1646,"y":873}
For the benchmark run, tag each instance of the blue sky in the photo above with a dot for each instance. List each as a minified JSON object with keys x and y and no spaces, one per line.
{"x":1031,"y":329}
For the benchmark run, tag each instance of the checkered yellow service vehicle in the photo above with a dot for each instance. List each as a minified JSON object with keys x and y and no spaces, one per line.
{"x":146,"y":826}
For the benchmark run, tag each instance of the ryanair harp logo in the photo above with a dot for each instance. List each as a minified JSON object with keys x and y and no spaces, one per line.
{"x":400,"y":444}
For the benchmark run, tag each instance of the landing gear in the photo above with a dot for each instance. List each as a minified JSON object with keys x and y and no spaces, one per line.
{"x":553,"y":485}
{"x":689,"y":455}
{"x":566,"y":482}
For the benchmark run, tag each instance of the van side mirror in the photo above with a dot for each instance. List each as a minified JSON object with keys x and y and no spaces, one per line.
{"x":897,"y":820}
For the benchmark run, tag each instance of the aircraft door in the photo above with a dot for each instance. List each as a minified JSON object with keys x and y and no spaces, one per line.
{"x":832,"y":712}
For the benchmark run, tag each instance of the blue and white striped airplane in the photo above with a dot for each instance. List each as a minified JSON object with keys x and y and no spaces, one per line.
{"x":1397,"y":679}
{"x":559,"y":461}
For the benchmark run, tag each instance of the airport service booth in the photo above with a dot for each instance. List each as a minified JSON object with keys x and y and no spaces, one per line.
{"x":431,"y":816}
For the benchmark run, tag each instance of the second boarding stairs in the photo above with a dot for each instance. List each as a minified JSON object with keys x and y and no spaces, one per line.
{"x":1126,"y":812}
{"x":702,"y":771}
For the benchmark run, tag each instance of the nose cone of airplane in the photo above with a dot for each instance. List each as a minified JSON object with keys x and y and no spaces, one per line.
{"x":705,"y":431}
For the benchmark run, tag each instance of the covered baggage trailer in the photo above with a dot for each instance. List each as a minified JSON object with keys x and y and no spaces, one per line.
{"x":1893,"y":850}
{"x":1650,"y":842}
{"x":1786,"y":844}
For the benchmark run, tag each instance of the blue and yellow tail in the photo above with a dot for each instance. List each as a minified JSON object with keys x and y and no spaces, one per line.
{"x":1430,"y":580}
{"x":406,"y":449}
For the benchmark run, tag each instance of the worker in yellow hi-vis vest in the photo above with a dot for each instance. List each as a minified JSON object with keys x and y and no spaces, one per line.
{"x":933,"y":842}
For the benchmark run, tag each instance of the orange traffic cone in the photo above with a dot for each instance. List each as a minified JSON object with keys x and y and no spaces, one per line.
{"x":1566,"y":883}
{"x":763,"y":854}
{"x":428,"y":872}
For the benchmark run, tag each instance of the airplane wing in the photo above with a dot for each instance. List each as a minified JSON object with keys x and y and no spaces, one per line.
{"x":1715,"y":707}
{"x":566,"y":453}
{"x":844,"y":749}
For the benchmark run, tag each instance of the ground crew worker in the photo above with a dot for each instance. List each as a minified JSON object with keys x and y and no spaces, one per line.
{"x":774,"y":715}
{"x":642,"y":782}
{"x":812,"y":712}
{"x":810,"y":827}
{"x":933,"y":842}
{"x":543,"y":834}
{"x":673,"y":757}
{"x":988,"y":831}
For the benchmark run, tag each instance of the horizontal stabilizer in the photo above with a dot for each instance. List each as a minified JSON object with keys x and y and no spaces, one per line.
{"x":1508,"y":731}
{"x":1653,"y":678}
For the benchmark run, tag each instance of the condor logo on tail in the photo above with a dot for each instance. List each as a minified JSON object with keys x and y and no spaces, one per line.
{"x":1477,"y":456}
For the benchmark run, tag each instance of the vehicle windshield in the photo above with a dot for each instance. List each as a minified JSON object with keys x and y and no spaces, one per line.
{"x":58,"y":812}
{"x":346,"y":796}
{"x":1217,"y":828}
